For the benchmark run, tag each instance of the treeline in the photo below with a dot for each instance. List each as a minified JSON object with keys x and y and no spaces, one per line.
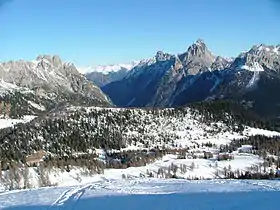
{"x":259,"y":142}
{"x":266,"y":147}
{"x":232,"y":113}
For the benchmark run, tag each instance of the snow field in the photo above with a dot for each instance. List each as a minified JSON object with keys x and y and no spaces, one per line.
{"x":149,"y":194}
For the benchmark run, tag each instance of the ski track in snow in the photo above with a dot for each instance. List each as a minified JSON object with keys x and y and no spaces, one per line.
{"x":72,"y":196}
{"x":265,"y":187}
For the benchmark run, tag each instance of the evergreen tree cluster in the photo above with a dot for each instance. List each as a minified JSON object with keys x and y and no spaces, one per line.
{"x":68,"y":131}
{"x":233,"y":113}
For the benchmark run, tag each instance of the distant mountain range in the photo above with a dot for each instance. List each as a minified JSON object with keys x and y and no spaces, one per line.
{"x":196,"y":75}
{"x":165,"y":80}
{"x":103,"y":75}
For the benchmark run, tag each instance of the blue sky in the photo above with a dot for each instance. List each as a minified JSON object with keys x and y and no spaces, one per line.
{"x":116,"y":31}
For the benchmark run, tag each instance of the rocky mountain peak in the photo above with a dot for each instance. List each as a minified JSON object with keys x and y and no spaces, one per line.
{"x":50,"y":59}
{"x":197,"y":48}
{"x":162,"y":56}
{"x":200,"y":42}
{"x":198,"y":58}
{"x":258,"y":58}
{"x":264,"y":49}
{"x":220,"y":63}
{"x":198,"y":52}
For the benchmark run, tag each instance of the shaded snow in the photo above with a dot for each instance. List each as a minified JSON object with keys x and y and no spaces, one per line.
{"x":150,"y":195}
{"x":254,"y":79}
{"x":6,"y":87}
{"x":217,"y":82}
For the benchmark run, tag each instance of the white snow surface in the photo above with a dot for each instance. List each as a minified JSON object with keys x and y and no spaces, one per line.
{"x":8,"y":122}
{"x":195,"y":169}
{"x":37,"y":106}
{"x":106,"y":69}
{"x":255,"y":67}
{"x":258,"y":131}
{"x":276,"y":50}
{"x":149,"y":194}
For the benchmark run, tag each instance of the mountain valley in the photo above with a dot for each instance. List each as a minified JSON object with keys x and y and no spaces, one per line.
{"x":184,"y":116}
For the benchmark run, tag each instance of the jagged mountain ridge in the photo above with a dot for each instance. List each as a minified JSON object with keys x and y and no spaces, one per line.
{"x":197,"y":75}
{"x":154,"y":81}
{"x":46,"y":82}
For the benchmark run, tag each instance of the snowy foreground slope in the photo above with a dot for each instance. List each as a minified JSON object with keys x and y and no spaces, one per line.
{"x":149,"y":194}
{"x":202,"y":169}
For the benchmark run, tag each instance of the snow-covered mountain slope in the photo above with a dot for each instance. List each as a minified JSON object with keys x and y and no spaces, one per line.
{"x":122,"y":128}
{"x":46,"y":82}
{"x":150,"y":195}
{"x":106,"y":69}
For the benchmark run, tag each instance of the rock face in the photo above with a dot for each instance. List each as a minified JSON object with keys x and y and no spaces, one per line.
{"x":50,"y":81}
{"x":197,"y":59}
{"x":175,"y":80}
{"x":259,"y":57}
{"x":157,"y":81}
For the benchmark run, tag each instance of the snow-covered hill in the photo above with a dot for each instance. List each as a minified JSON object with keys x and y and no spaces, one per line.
{"x":189,"y":169}
{"x":81,"y":144}
{"x":116,"y":128}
